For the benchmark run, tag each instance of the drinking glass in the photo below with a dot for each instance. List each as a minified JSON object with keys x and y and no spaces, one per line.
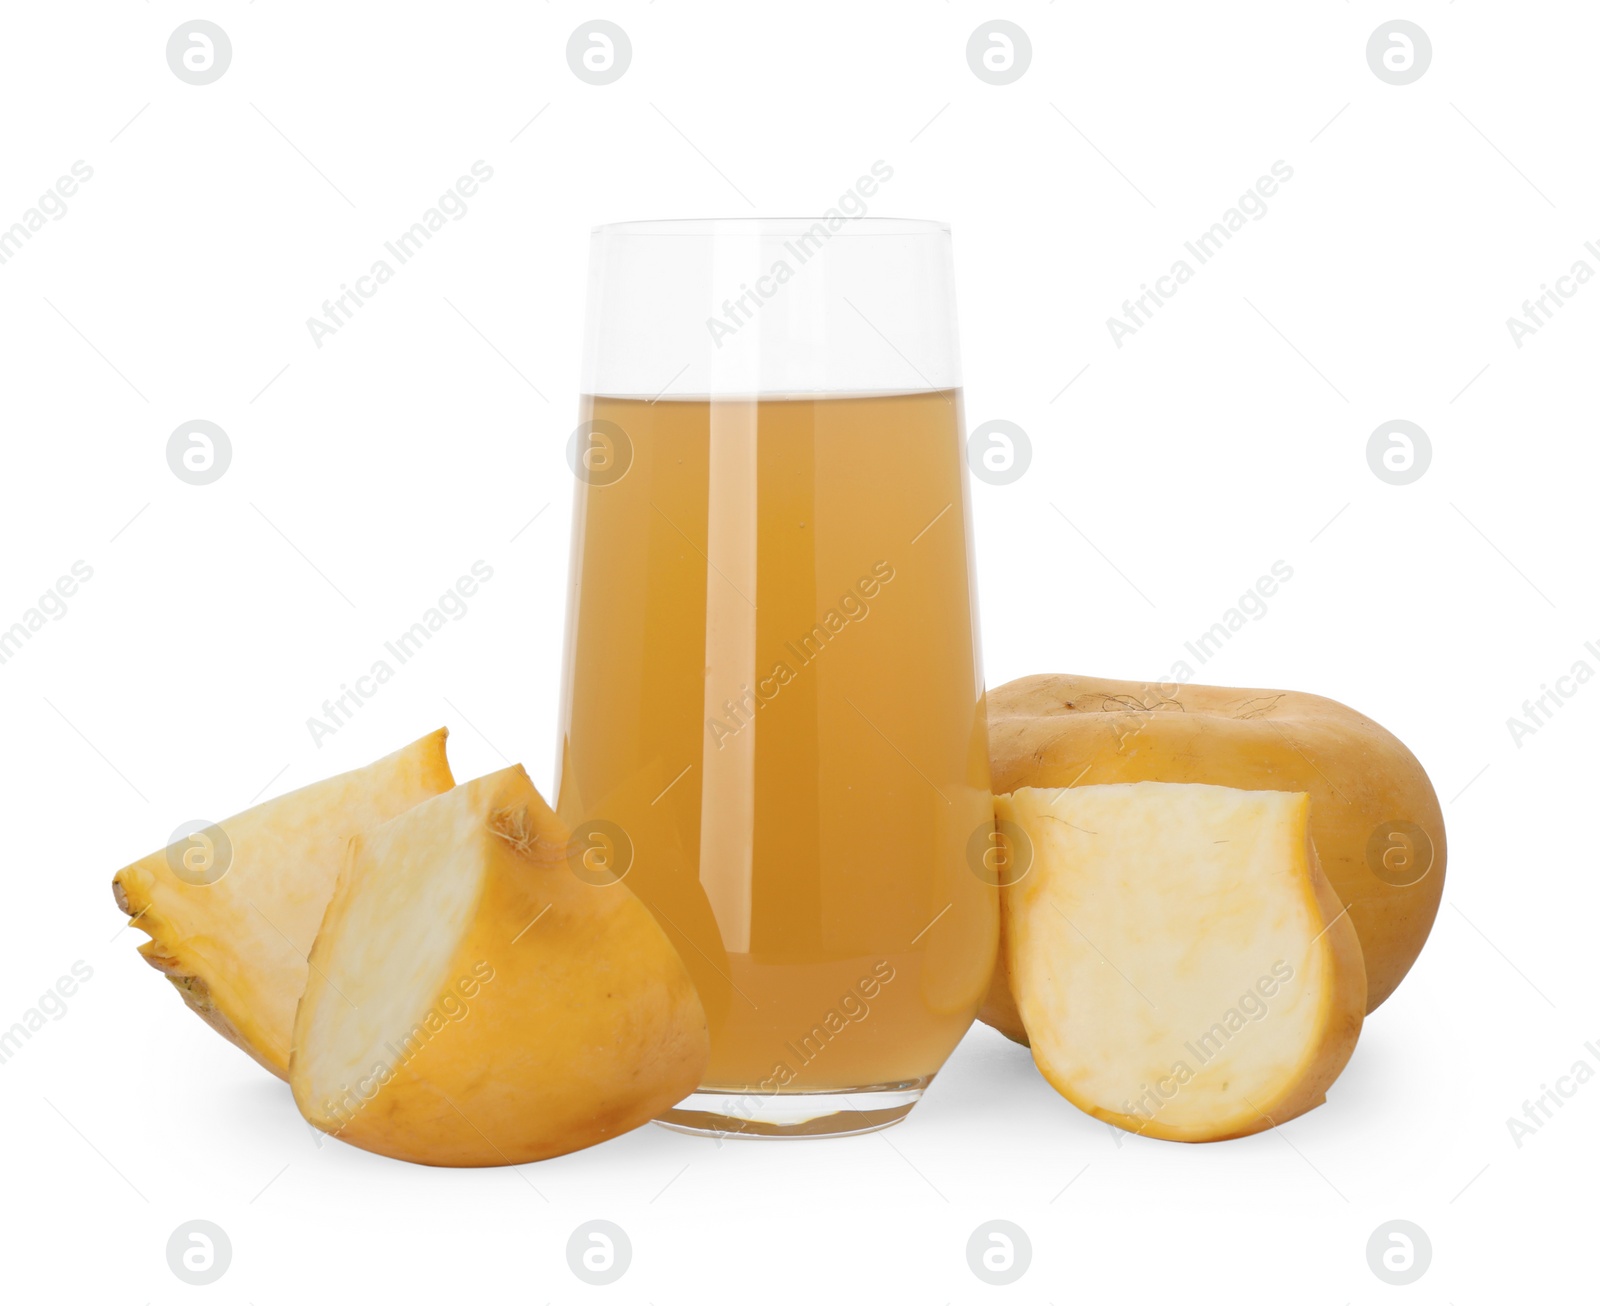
{"x":772,"y":723}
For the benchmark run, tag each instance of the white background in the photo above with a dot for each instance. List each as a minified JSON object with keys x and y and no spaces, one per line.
{"x":366,"y":475}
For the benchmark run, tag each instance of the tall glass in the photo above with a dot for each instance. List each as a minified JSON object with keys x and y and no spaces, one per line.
{"x":772,"y":709}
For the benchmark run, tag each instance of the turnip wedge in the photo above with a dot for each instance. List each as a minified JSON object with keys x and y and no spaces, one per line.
{"x":482,"y":994}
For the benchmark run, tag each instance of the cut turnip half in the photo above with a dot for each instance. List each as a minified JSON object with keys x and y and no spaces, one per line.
{"x":1181,"y":965}
{"x":473,"y":1001}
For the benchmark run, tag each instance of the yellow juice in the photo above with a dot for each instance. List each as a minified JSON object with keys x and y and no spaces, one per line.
{"x":773,"y":692}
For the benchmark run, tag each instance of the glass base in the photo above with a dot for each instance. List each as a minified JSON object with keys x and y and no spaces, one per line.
{"x":828,"y":1113}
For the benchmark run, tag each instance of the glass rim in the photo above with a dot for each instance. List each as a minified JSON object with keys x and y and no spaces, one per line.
{"x":792,"y":226}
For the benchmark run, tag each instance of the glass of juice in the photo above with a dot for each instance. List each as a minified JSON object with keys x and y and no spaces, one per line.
{"x":772,"y":723}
